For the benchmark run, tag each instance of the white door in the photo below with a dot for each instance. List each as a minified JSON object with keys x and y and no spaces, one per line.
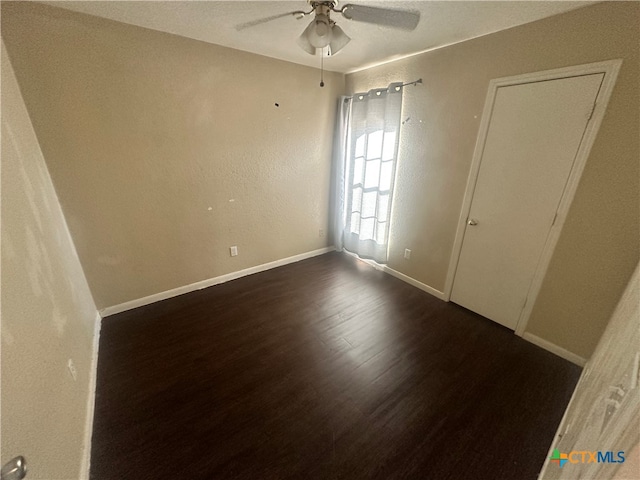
{"x":533,"y":137}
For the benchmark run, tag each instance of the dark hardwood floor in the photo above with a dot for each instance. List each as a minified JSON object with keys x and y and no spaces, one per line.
{"x":322,"y":369}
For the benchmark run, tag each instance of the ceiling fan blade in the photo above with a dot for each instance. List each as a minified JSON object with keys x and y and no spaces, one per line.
{"x":298,"y":14}
{"x":402,"y":19}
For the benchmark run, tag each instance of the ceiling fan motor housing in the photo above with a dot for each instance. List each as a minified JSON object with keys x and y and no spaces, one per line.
{"x":322,"y":8}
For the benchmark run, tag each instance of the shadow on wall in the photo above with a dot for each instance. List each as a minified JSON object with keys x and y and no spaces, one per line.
{"x":48,"y":314}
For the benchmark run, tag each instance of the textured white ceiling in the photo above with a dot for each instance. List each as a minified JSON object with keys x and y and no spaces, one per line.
{"x":442,"y":23}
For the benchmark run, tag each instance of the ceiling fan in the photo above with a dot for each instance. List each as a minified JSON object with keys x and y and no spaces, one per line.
{"x":323,"y":32}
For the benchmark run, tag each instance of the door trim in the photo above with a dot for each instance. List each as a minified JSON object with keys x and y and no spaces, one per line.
{"x":610,"y":70}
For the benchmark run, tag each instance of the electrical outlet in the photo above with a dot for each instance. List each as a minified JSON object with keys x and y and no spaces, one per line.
{"x":321,"y":233}
{"x":72,"y":369}
{"x":407,"y":253}
{"x":233,"y":250}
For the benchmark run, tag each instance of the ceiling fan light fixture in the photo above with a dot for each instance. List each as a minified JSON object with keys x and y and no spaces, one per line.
{"x":304,"y":43}
{"x":338,"y":41}
{"x":319,"y":31}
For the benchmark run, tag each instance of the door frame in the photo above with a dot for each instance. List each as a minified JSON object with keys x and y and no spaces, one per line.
{"x":610,"y":69}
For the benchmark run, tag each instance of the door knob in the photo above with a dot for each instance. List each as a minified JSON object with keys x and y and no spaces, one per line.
{"x":472,"y":221}
{"x":15,"y":469}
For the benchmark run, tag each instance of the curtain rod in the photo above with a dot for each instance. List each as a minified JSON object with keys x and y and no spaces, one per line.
{"x":414,"y":83}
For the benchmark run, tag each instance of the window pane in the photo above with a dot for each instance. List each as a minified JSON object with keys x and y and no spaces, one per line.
{"x":372,"y":174}
{"x":356,"y":201}
{"x":369,"y":203}
{"x":385,"y":176}
{"x":354,"y":227}
{"x":358,"y":171}
{"x":366,"y":229}
{"x":381,"y":233}
{"x":374,"y":145}
{"x":389,"y":145}
{"x":383,"y":208}
{"x":360,"y":145}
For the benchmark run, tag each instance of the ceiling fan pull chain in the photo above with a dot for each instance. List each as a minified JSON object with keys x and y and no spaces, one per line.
{"x":322,"y":67}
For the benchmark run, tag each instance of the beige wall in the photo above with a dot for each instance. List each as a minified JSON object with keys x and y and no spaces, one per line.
{"x":48,"y":315}
{"x":148,"y":136}
{"x":166,"y":151}
{"x":599,"y":244}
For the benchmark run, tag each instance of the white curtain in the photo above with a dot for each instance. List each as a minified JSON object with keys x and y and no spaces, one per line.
{"x":366,"y":153}
{"x":340,"y":154}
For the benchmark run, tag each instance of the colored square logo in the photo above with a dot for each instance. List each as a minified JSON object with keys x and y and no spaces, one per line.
{"x":559,"y":458}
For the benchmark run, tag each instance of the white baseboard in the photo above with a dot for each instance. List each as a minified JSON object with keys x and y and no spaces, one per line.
{"x":551,"y":347}
{"x":555,"y":349}
{"x":91,"y":400}
{"x":412,"y":281}
{"x":401,"y":276}
{"x":210,"y":282}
